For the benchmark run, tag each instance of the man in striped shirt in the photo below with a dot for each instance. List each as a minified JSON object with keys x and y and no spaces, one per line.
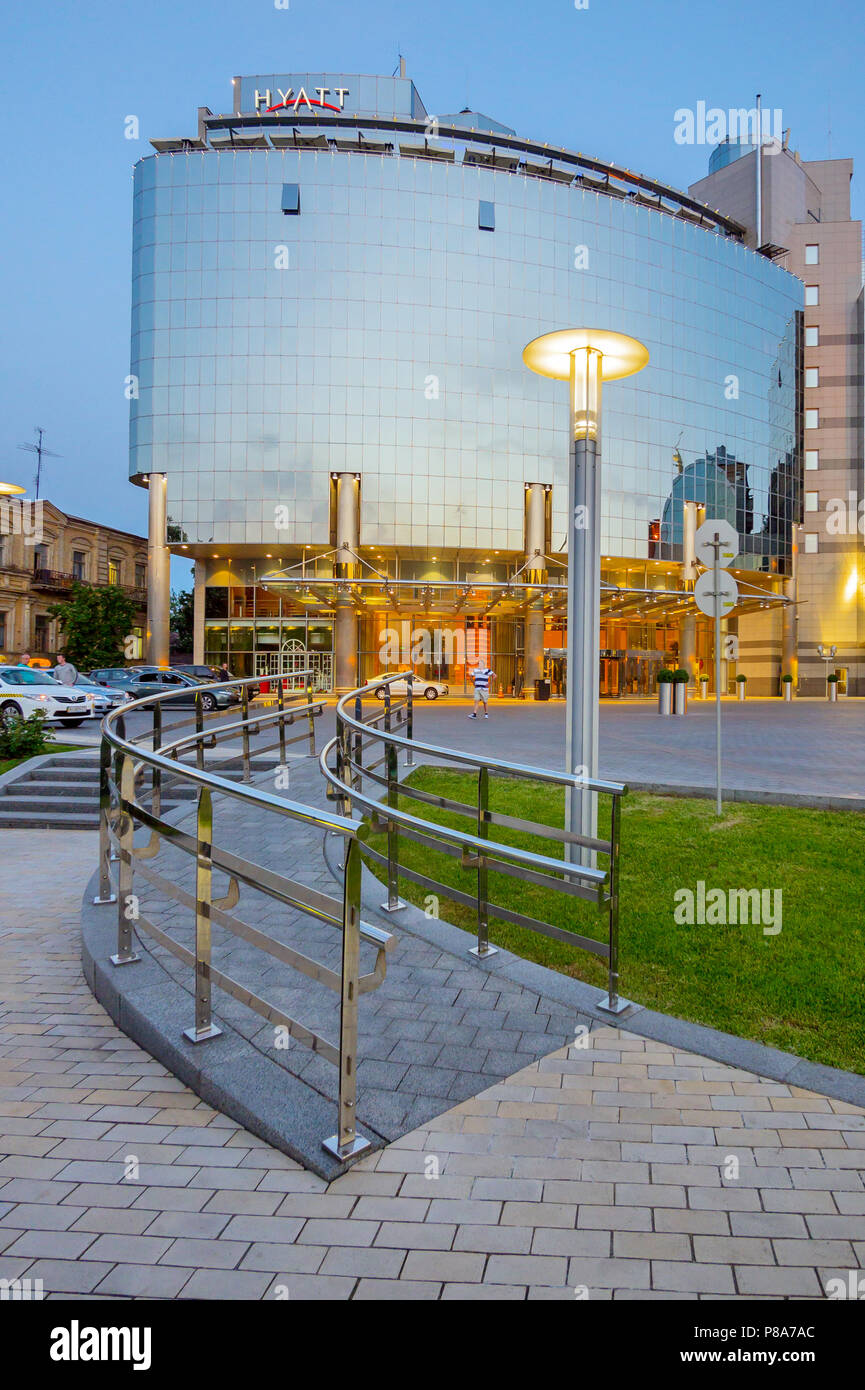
{"x":482,"y":675}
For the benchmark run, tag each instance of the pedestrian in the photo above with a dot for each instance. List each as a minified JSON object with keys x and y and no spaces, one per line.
{"x":223,"y":674}
{"x":24,"y":659}
{"x":64,"y":671}
{"x":481,"y":675}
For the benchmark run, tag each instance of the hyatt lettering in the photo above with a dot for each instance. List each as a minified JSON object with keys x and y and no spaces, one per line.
{"x":264,"y":100}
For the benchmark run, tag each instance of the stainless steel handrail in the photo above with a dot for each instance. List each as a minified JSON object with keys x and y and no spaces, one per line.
{"x":476,"y":849}
{"x":123,"y":763}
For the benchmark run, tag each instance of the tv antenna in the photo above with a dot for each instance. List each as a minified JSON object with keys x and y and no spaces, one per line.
{"x":41,"y":452}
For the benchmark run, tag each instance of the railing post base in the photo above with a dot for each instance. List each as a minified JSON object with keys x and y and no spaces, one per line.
{"x":616,"y":1006}
{"x":393,"y":907}
{"x":353,"y":1149}
{"x":128,"y":959}
{"x":483,"y":951}
{"x":102,"y":902}
{"x":197,"y":1035}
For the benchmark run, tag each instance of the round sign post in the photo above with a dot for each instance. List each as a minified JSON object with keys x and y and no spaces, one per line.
{"x":715,"y":594}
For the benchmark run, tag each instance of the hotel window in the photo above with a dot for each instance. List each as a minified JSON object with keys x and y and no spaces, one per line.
{"x":291,"y":198}
{"x":812,"y":255}
{"x":2,"y":630}
{"x":812,"y":501}
{"x":812,"y":294}
{"x":486,"y":216}
{"x":812,"y":419}
{"x":113,"y":571}
{"x":811,"y":543}
{"x":140,"y":574}
{"x":79,"y":565}
{"x":812,"y":376}
{"x":812,"y":337}
{"x":2,"y":554}
{"x":812,"y":459}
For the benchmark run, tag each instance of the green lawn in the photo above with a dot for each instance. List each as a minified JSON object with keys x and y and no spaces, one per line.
{"x":802,"y":989}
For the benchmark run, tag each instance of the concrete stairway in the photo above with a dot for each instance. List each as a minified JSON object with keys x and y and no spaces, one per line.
{"x":64,"y":793}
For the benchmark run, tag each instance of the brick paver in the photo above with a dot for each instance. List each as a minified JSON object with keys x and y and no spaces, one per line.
{"x":117,"y":1181}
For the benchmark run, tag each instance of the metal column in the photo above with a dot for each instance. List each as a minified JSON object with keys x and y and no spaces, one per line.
{"x":158,"y":573}
{"x":345,"y":567}
{"x":536,"y":573}
{"x":688,"y":635}
{"x":584,"y":588}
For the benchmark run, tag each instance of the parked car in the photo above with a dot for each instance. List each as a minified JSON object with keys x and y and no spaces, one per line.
{"x":206,"y":675}
{"x":25,"y":689}
{"x":431,"y":690}
{"x":105,"y":697}
{"x":141,"y":681}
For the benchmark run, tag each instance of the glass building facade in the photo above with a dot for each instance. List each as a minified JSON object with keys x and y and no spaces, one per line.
{"x":343,"y":286}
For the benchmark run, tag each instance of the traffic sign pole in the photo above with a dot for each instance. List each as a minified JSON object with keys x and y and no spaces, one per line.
{"x":717,"y":568}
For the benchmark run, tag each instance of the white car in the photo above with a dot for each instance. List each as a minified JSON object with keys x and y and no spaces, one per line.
{"x":430,"y":690}
{"x":26,"y":689}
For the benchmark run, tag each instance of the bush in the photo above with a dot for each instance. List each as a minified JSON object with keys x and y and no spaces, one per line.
{"x":665,"y":676}
{"x":833,"y":679}
{"x":787,"y":679}
{"x":25,"y":738}
{"x":680,"y":676}
{"x":741,"y":679}
{"x":704,"y":680}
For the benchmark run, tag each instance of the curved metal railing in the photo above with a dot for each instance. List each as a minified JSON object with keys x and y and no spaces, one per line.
{"x":474,"y":849}
{"x":133,"y":775}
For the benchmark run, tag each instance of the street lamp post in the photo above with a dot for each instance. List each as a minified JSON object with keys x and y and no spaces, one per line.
{"x":585,"y":357}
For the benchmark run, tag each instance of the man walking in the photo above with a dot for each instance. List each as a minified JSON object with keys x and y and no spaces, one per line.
{"x":482,"y":675}
{"x":64,"y":671}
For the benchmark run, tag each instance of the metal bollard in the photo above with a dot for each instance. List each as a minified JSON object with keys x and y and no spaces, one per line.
{"x":347,"y":1143}
{"x":125,"y":909}
{"x":483,"y":948}
{"x":280,"y":702}
{"x":199,"y":730}
{"x":394,"y":902}
{"x":204,"y":1026}
{"x":105,"y":893}
{"x":310,"y":713}
{"x":244,"y":734}
{"x":156,"y":779}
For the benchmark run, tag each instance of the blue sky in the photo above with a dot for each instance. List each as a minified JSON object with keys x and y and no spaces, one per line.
{"x":604,"y":80}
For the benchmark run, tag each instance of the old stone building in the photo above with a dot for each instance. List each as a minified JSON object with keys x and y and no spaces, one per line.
{"x":43,"y":551}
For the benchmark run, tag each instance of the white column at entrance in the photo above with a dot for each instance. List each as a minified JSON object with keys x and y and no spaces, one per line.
{"x":346,"y":567}
{"x":198,"y":592}
{"x":688,"y":630}
{"x":790,"y":616}
{"x":158,"y":573}
{"x":536,"y":573}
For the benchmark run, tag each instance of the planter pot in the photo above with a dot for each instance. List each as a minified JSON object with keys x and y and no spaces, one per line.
{"x":833,"y":692}
{"x":788,"y":692}
{"x":680,"y":698}
{"x":704,"y":690}
{"x":665,"y":699}
{"x":741,"y":690}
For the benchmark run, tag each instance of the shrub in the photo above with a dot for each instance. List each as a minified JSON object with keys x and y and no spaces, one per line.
{"x":787,"y":679}
{"x":25,"y":738}
{"x":665,"y":676}
{"x":680,"y":676}
{"x":741,"y":679}
{"x":833,"y":679}
{"x":705,"y":680}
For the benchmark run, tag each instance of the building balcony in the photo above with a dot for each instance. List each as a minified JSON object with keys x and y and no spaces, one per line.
{"x":56,"y":581}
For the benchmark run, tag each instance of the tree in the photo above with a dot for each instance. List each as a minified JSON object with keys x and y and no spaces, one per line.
{"x":95,"y":624}
{"x":182,"y":618}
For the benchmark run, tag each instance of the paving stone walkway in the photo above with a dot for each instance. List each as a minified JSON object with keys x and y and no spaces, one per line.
{"x":622,"y":1168}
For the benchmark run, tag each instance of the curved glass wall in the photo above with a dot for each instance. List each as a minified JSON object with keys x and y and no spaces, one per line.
{"x":380,"y":331}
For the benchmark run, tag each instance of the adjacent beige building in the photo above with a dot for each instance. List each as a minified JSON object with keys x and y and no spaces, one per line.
{"x":806,"y":227}
{"x":43,"y":551}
